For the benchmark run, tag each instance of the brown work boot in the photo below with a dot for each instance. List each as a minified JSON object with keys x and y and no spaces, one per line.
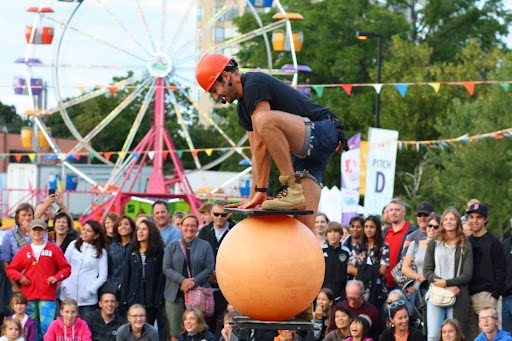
{"x":289,"y":197}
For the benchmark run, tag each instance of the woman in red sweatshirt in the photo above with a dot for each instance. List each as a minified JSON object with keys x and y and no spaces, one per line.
{"x":69,"y":326}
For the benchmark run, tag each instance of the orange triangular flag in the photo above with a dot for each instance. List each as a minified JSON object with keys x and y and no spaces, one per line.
{"x":77,"y":156}
{"x":347,"y":88}
{"x":18,"y":157}
{"x":194,"y":152}
{"x":164,"y":154}
{"x":107,"y":155}
{"x":112,"y":89}
{"x":470,"y":87}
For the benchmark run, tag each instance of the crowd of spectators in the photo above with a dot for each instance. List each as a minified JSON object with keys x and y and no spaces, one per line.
{"x":126,"y":279}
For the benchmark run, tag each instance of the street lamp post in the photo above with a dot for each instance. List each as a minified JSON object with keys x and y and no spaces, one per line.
{"x":372,"y":35}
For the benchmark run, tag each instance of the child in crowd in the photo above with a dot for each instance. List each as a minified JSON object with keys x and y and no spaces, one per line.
{"x":11,"y":331}
{"x":226,"y":330}
{"x":69,"y":326}
{"x":359,"y":329}
{"x":38,"y":267}
{"x":18,"y":305}
{"x":193,"y":327}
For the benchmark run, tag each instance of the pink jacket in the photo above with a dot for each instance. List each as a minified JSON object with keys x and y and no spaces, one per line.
{"x":58,"y":331}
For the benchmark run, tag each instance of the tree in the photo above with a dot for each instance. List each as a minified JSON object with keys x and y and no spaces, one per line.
{"x":10,"y":119}
{"x":447,"y":26}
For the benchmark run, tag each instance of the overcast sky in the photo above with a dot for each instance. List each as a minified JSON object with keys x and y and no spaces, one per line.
{"x":124,"y":29}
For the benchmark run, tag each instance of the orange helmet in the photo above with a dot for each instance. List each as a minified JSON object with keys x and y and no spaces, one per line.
{"x":209,"y":69}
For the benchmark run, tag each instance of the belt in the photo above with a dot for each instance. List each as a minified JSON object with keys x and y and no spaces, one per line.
{"x":341,"y":130}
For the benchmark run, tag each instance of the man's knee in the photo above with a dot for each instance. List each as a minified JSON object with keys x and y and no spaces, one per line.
{"x":261,"y":121}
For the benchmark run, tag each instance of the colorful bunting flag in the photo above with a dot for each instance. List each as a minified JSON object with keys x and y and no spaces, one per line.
{"x":347,"y":88}
{"x":377,"y":87}
{"x":470,"y":87}
{"x":319,"y":90}
{"x":402,"y":89}
{"x":435,"y":86}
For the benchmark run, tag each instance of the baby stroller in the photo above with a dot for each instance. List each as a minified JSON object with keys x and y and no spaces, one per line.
{"x":416,"y":301}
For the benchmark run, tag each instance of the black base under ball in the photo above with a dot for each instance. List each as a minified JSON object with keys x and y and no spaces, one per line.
{"x":244,"y":328}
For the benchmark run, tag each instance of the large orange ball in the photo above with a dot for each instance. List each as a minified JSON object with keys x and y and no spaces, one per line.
{"x":270,"y":268}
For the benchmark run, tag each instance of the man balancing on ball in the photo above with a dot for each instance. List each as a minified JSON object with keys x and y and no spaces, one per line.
{"x":278,"y":120}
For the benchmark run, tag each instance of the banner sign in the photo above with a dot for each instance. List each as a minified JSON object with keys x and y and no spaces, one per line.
{"x":380,"y":169}
{"x":350,"y":179}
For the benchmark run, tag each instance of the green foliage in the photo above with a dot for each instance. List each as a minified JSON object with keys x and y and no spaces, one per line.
{"x":9,"y":119}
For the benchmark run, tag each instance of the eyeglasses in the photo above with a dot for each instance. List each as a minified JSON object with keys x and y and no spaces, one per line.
{"x":353,"y":298}
{"x":433,"y":226}
{"x":422,"y":215}
{"x":223,"y":215}
{"x":487,"y":318}
{"x":394,"y":305}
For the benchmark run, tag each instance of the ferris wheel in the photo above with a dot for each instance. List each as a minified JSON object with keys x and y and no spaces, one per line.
{"x":147,"y":50}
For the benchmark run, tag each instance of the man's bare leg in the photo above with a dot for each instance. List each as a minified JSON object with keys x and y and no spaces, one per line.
{"x":312,"y":193}
{"x":281,"y":132}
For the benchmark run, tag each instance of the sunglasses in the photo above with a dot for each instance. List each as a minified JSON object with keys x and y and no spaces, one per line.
{"x":432,"y":226}
{"x":394,"y":305}
{"x":223,"y":215}
{"x":422,"y":215}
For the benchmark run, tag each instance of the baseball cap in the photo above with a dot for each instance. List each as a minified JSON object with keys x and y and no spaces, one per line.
{"x":38,"y":223}
{"x":478,"y":208}
{"x":425,"y":207}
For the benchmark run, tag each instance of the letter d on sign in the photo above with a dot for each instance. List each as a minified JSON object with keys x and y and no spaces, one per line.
{"x":380,"y":182}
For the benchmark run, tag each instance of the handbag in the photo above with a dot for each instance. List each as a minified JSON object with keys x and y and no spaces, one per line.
{"x":441,"y":297}
{"x":198,"y":297}
{"x":399,"y":277}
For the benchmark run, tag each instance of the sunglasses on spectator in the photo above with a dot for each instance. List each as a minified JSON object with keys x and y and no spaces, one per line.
{"x":433,"y":226}
{"x":422,"y":215}
{"x":394,"y":305}
{"x":223,"y":215}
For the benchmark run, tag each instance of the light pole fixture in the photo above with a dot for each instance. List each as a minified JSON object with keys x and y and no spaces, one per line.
{"x":378,"y":36}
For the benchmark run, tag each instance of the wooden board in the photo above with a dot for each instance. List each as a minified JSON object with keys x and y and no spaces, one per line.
{"x":258,"y":211}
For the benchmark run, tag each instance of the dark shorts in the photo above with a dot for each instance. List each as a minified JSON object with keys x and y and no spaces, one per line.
{"x":322,"y":139}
